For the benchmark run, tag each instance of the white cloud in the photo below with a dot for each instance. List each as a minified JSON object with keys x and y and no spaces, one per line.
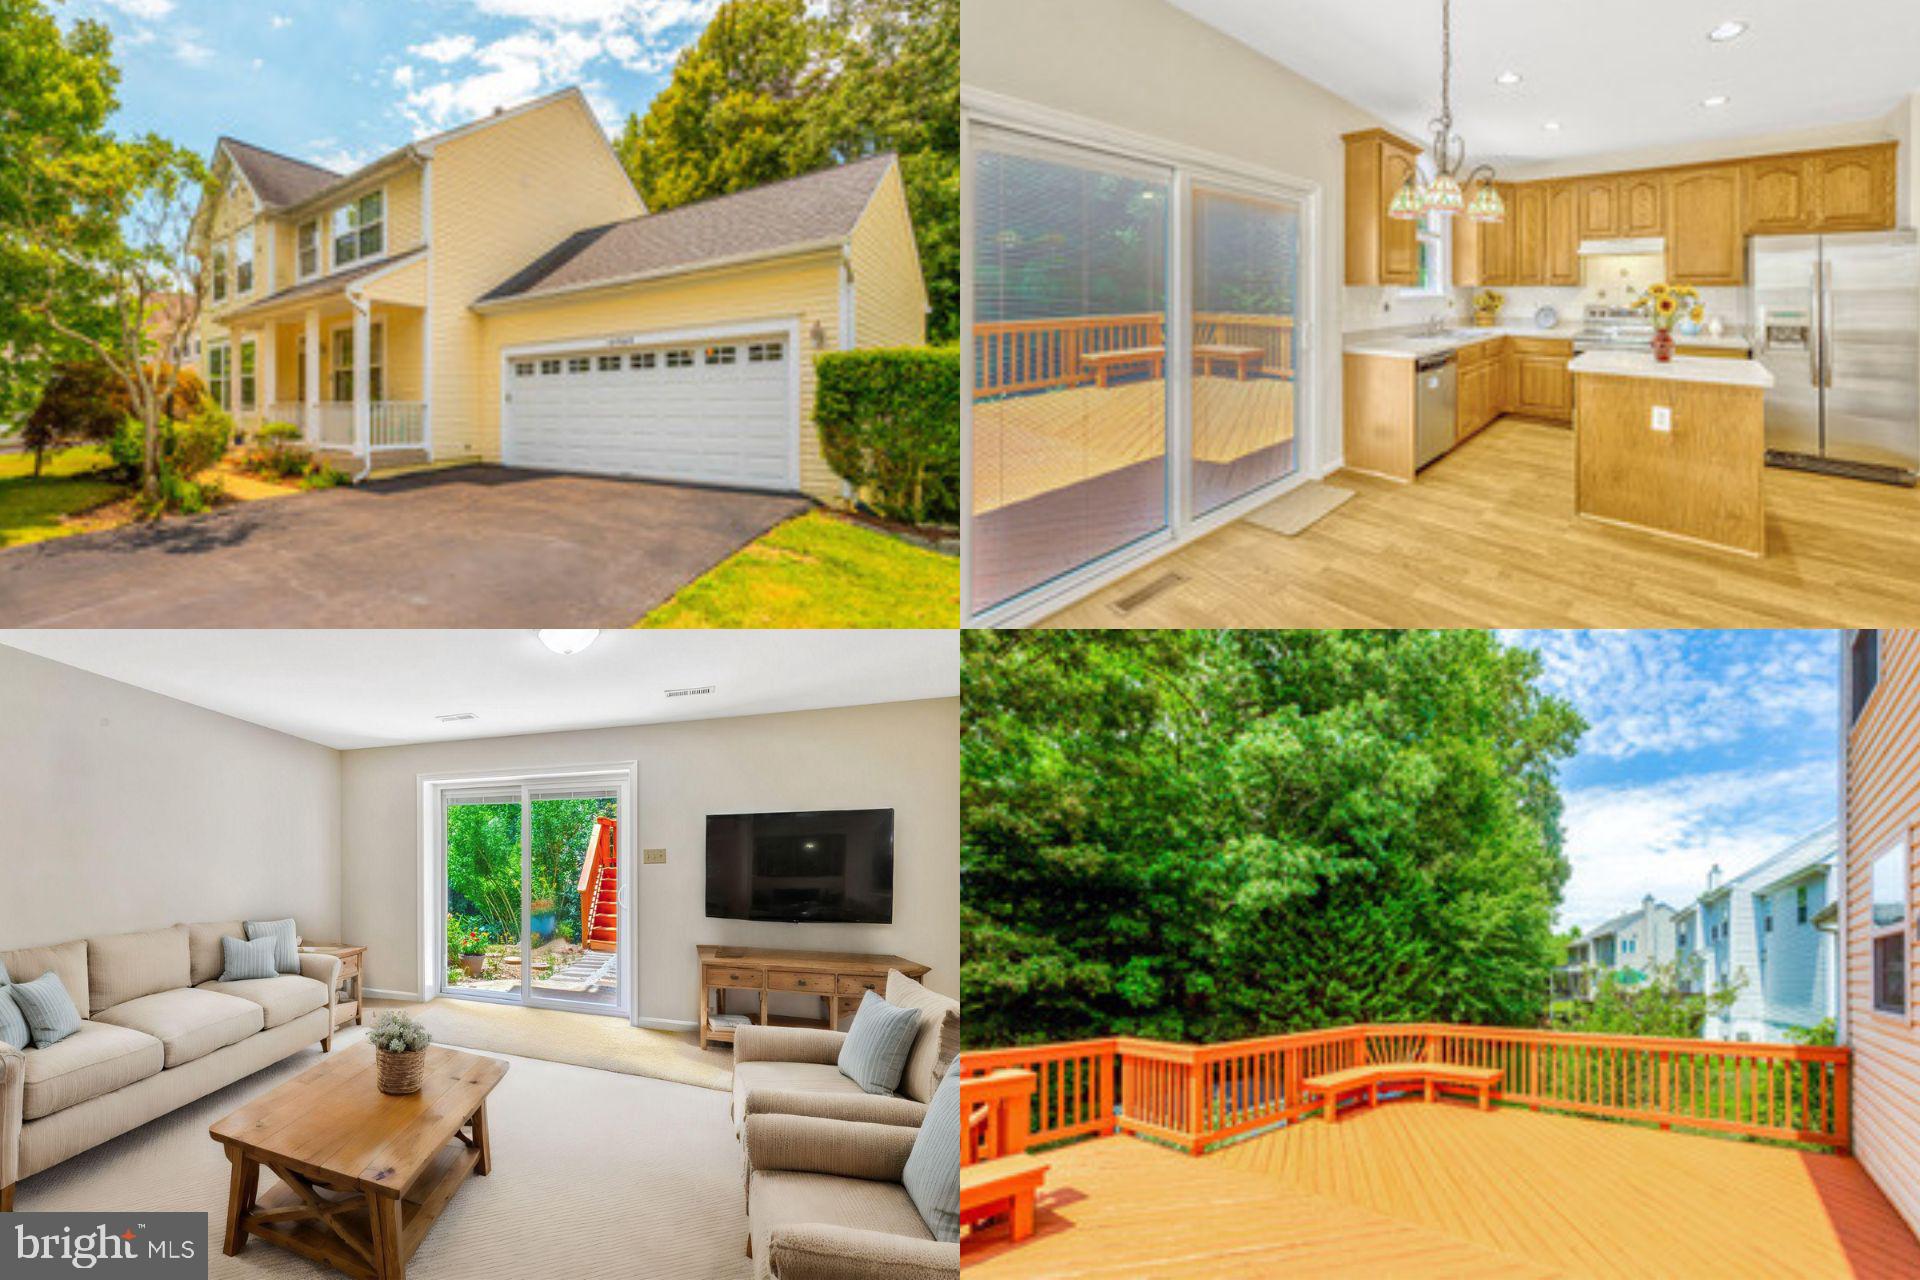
{"x":192,"y":52}
{"x":146,"y":10}
{"x":1663,"y":692}
{"x":445,"y":49}
{"x":403,"y":76}
{"x":279,"y":22}
{"x":650,"y":17}
{"x":329,"y":154}
{"x":517,"y":67}
{"x":1663,"y":837}
{"x":256,"y":64}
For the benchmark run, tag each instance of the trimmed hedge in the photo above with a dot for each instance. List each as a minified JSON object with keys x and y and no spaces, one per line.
{"x":889,"y":425}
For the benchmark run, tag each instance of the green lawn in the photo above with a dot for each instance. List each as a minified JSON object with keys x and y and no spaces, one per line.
{"x":30,"y":509}
{"x":820,"y":571}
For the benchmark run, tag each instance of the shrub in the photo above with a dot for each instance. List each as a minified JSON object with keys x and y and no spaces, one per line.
{"x":128,"y":445}
{"x":278,"y":433}
{"x":321,"y":476}
{"x":890,"y":426}
{"x":75,"y":406}
{"x":186,"y":449}
{"x":201,"y":441}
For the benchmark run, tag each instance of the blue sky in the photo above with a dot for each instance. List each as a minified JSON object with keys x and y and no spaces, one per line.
{"x":340,"y":83}
{"x":1703,"y":747}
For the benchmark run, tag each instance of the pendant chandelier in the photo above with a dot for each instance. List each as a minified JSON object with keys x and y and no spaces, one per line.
{"x":1446,"y":191}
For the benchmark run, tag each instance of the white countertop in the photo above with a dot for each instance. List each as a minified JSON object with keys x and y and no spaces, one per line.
{"x":1641,"y":364}
{"x":1408,"y":344}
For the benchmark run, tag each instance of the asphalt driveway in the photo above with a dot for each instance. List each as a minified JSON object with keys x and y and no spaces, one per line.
{"x":467,"y":547}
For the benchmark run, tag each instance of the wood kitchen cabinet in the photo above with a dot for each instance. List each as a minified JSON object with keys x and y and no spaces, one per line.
{"x":1778,"y":191}
{"x":1599,"y":204}
{"x":1706,"y":240}
{"x":1477,"y":393}
{"x":1542,"y":386}
{"x":1528,"y":211}
{"x":1483,"y":251}
{"x":1380,"y":250}
{"x":1853,"y":189}
{"x":1563,"y":234}
{"x":1642,"y":205}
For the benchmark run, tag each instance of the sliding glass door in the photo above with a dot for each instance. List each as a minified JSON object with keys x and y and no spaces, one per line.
{"x":1245,"y":292}
{"x":532,"y":893}
{"x":1069,"y":351}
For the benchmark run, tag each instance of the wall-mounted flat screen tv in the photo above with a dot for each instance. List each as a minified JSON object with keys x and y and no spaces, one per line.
{"x":824,"y":867}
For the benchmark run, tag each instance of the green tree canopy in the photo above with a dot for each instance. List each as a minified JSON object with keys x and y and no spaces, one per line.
{"x":1202,"y":836}
{"x":771,"y":90}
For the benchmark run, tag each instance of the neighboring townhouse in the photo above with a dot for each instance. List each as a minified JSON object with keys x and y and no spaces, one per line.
{"x":1628,"y":945}
{"x":1880,"y":894}
{"x":499,"y":292}
{"x":1759,"y":931}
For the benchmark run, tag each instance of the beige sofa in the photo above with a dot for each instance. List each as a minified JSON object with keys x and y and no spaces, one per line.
{"x":160,"y":1030}
{"x":824,"y":1202}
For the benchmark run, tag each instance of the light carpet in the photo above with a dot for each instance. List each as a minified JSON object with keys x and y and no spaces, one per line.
{"x":595,"y":1174}
{"x":583,"y":1039}
{"x":1297,"y":510}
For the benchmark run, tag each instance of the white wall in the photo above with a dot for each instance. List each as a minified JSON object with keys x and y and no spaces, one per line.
{"x":1147,"y":68}
{"x":122,"y":809}
{"x":904,"y":756}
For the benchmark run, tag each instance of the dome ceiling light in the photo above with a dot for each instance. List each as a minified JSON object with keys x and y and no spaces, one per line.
{"x":1445,"y":192}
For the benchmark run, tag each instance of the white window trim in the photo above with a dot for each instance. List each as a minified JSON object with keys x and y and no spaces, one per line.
{"x":219,"y":259}
{"x":376,"y":355}
{"x":386,"y":220}
{"x":240,"y":377}
{"x":1318,"y":449}
{"x":319,"y":250}
{"x":224,"y":383}
{"x":253,"y":257}
{"x":1436,"y":230}
{"x":1903,"y":928}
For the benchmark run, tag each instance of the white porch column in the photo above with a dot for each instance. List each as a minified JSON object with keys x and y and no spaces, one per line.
{"x":311,"y":427}
{"x":362,"y":398}
{"x":267,"y":354}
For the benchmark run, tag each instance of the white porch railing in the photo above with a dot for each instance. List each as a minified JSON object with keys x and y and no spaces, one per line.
{"x":392,"y":424}
{"x":295,"y":413}
{"x":332,"y":425}
{"x":397,"y":424}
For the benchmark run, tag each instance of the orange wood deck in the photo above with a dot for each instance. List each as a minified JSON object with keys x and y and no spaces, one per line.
{"x":1412,"y":1189}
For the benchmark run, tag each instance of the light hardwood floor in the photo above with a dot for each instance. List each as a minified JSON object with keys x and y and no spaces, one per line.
{"x":1488,"y":537}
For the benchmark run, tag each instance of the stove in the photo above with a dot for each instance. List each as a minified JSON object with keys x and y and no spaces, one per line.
{"x":1613,"y":329}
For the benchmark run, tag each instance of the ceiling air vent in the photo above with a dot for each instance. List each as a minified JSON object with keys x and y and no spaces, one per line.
{"x":694,"y":692}
{"x":455,"y":716}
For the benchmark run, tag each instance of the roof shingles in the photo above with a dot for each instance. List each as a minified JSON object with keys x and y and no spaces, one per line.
{"x":278,"y":180}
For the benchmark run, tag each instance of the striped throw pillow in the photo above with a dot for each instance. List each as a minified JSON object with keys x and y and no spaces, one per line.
{"x":877,"y":1044}
{"x":47,"y":1007}
{"x":286,"y":943}
{"x":244,"y":961}
{"x":13,"y":1023}
{"x":932,"y":1175}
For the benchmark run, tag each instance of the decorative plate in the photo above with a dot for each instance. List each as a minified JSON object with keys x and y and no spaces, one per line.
{"x":1546,"y":317}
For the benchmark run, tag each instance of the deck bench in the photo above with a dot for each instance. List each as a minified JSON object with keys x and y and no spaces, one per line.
{"x":1103,"y":363}
{"x":1244,"y":360}
{"x":1005,"y":1184}
{"x":1334,"y":1085}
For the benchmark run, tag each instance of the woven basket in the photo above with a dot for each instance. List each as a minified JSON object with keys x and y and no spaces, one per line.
{"x":400,"y":1072}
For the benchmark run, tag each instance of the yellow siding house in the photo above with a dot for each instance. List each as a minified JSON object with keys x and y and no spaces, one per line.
{"x":499,"y":293}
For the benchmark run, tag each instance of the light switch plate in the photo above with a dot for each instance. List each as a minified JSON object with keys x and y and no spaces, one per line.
{"x":651,"y":856}
{"x":1662,"y":418}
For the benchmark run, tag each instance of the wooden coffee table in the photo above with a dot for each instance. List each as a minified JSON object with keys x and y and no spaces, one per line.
{"x":362,"y":1174}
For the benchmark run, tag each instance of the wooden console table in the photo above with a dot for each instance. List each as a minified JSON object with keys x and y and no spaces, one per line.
{"x":839,"y":978}
{"x":349,"y":1006}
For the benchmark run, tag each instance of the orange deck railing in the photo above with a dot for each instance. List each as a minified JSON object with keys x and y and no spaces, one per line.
{"x":1198,"y":1095}
{"x":1035,"y":355}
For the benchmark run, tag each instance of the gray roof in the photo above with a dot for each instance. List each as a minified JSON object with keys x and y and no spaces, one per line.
{"x":329,"y":283}
{"x":817,"y":208}
{"x":278,"y":180}
{"x":1803,"y":855}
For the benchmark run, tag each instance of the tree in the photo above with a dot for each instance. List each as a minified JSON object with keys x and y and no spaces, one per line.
{"x":76,"y":405}
{"x":1654,"y":1006}
{"x":771,"y":91}
{"x":56,"y":91}
{"x":1201,"y":836}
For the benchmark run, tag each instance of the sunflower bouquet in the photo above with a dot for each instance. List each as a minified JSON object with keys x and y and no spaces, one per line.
{"x":1486,"y":306}
{"x":1666,"y":304}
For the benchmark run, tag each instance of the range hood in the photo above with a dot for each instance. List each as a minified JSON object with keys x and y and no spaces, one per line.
{"x":1636,"y":244}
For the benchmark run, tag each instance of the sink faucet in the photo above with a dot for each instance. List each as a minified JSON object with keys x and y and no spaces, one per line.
{"x":1437,"y":323}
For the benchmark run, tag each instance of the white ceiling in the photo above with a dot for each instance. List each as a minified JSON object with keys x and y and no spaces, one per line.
{"x":1618,"y":75}
{"x":349,"y":689}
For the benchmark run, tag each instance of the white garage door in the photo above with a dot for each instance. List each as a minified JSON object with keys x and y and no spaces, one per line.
{"x":712,"y":411}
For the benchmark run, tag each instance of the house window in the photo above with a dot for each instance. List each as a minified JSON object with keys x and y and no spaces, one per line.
{"x":1800,"y":905}
{"x":766,"y":353}
{"x":217,"y":374}
{"x":1887,"y":924}
{"x":342,"y":377}
{"x":609,"y":364}
{"x":1866,"y":669}
{"x":579,"y":364}
{"x":549,"y":367}
{"x":679,"y":359}
{"x":219,"y":272}
{"x":523,"y":369}
{"x":359,"y":229}
{"x":307,"y":246}
{"x":243,"y":262}
{"x":640,"y":360}
{"x":247,"y":358}
{"x":720,"y":355}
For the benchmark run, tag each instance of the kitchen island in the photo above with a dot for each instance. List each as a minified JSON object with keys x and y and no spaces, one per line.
{"x":1675,"y":447}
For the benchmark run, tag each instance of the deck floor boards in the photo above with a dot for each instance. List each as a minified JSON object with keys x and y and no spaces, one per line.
{"x":1411,"y":1189}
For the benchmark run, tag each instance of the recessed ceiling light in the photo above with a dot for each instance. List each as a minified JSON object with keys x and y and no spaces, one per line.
{"x":567,"y":642}
{"x":1507,"y":77}
{"x":1717,"y":100}
{"x":1727,"y":31}
{"x":1551,"y":126}
{"x":453,"y":716}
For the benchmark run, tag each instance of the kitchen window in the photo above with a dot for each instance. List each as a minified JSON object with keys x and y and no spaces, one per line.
{"x":218,"y":266}
{"x":343,"y":363}
{"x":360,"y":229}
{"x":248,"y":356}
{"x":307,"y":249}
{"x":1434,"y":244}
{"x":243,"y":262}
{"x":1887,"y":926}
{"x":1865,"y":660}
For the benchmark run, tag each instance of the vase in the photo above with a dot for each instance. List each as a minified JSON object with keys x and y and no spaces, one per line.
{"x":399,"y":1072}
{"x":473,"y":964}
{"x":1662,"y":345}
{"x":1485,"y":319}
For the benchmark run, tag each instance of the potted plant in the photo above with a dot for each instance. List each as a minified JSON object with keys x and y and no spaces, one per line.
{"x":400,"y":1052}
{"x":471,"y":944}
{"x":1486,"y":307}
{"x":1664,"y":305}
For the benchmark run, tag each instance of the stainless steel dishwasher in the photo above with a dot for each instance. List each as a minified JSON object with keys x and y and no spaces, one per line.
{"x":1435,"y":388}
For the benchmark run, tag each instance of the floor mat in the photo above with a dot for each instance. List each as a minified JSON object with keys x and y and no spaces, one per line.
{"x":1295,"y":512}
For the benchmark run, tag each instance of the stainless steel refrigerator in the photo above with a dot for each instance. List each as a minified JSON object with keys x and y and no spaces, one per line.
{"x":1836,"y":319}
